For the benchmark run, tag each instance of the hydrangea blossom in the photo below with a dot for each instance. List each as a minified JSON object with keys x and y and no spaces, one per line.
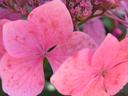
{"x":102,"y":73}
{"x":95,"y":29}
{"x":47,"y":33}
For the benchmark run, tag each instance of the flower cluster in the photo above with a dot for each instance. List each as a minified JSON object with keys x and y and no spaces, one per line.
{"x":79,"y":9}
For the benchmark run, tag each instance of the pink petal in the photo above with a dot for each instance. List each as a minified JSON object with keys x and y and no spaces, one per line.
{"x":95,"y":88}
{"x":54,"y":22}
{"x":20,"y":39}
{"x":116,"y":78}
{"x":114,"y":53}
{"x":95,"y":29}
{"x":112,"y":56}
{"x":21,"y":77}
{"x":105,"y":54}
{"x":2,"y":50}
{"x":74,"y":74}
{"x":70,"y":45}
{"x":122,"y":54}
{"x":118,"y":75}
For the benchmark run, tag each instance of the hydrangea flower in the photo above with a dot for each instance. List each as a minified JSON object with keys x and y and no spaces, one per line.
{"x":102,"y":73}
{"x":47,"y":33}
{"x":95,"y":29}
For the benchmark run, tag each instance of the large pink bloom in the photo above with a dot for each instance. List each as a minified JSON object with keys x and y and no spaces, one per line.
{"x":103,"y":73}
{"x":48,"y":32}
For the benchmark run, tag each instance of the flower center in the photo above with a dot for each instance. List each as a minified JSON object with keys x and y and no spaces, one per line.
{"x":51,"y":48}
{"x":44,"y":53}
{"x":103,"y":73}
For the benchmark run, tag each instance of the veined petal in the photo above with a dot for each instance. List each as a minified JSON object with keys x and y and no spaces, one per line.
{"x":74,"y":74}
{"x":20,"y":39}
{"x":21,"y":77}
{"x":54,"y":22}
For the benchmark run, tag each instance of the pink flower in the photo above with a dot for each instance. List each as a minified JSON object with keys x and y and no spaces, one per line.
{"x":103,"y":73}
{"x":47,"y":33}
{"x":95,"y":29}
